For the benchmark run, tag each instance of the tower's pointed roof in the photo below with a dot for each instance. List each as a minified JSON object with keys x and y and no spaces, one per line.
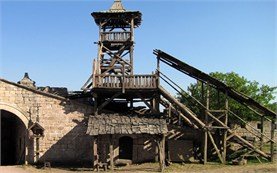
{"x":27,"y":81}
{"x":117,"y":7}
{"x":117,"y":16}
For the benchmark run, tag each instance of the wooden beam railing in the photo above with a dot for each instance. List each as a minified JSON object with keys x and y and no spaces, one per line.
{"x":126,"y":81}
{"x":115,"y":36}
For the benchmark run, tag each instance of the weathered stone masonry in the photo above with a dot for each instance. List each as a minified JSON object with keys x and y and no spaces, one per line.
{"x":64,"y":121}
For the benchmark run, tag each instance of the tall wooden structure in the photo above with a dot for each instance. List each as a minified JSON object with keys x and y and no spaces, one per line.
{"x":116,"y":40}
{"x":115,"y":88}
{"x":113,"y":73}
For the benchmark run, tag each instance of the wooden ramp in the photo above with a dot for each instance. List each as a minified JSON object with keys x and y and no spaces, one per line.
{"x":201,"y":76}
{"x":210,"y":121}
{"x":190,"y":117}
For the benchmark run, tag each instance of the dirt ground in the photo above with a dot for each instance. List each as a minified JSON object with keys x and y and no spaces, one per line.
{"x":151,"y":167}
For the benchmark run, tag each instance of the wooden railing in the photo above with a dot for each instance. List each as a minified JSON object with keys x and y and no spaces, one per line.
{"x":115,"y":36}
{"x":127,"y":82}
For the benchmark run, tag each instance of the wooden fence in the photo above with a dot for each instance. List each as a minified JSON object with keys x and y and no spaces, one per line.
{"x":127,"y":82}
{"x":115,"y":36}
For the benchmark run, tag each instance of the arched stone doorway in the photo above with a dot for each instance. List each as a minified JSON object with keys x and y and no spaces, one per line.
{"x":126,"y":148}
{"x":13,"y":137}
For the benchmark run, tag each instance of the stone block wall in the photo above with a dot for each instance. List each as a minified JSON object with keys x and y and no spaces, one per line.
{"x":244,"y":131}
{"x":64,"y":121}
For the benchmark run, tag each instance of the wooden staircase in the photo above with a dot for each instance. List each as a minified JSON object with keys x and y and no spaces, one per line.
{"x":210,"y":121}
{"x":192,"y":119}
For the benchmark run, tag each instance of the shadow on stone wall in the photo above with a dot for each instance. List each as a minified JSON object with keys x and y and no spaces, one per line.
{"x":80,"y":106}
{"x":76,"y":147}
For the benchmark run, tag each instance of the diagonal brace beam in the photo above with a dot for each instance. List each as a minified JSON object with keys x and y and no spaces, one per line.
{"x":145,"y":101}
{"x":215,"y":147}
{"x":108,"y":101}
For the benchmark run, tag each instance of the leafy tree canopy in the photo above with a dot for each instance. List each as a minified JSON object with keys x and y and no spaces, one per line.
{"x":263,"y":94}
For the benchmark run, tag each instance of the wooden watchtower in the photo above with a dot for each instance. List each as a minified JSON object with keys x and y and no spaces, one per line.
{"x":113,"y":72}
{"x":115,"y":90}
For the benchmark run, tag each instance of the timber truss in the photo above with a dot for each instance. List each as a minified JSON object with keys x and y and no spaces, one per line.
{"x":214,"y":123}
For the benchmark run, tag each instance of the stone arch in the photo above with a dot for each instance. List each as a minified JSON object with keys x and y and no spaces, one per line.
{"x":16,"y":111}
{"x":13,"y":147}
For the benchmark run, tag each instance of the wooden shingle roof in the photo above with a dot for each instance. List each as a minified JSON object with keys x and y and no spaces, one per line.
{"x":125,"y":124}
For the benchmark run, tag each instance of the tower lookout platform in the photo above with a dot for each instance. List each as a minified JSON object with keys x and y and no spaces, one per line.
{"x":113,"y":69}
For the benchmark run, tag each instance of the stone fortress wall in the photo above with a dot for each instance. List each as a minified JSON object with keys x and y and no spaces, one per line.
{"x":64,"y":121}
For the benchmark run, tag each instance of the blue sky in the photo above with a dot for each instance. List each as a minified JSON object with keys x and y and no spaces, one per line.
{"x":54,"y":40}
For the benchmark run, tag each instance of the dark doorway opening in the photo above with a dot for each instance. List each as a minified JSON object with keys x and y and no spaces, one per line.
{"x":125,"y":148}
{"x":13,"y":133}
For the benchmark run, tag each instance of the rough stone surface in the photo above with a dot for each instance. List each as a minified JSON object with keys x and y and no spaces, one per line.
{"x":27,"y":81}
{"x":249,"y":132}
{"x":64,"y":121}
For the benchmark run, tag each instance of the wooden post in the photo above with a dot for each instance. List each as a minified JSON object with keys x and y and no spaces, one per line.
{"x":157,"y":152}
{"x":158,"y":71}
{"x":272,"y":139}
{"x":99,"y":149}
{"x":132,"y":47}
{"x":202,"y":93}
{"x":162,"y":153}
{"x":205,"y":146}
{"x":123,"y":77}
{"x":208,"y":101}
{"x":262,"y":134}
{"x":95,"y":152}
{"x":203,"y":101}
{"x":205,"y":132}
{"x":111,"y":153}
{"x":206,"y":122}
{"x":100,"y":30}
{"x":225,"y":130}
{"x":99,"y":49}
{"x":95,"y":106}
{"x":156,"y":101}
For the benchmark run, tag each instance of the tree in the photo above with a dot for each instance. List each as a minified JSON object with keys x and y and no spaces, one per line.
{"x":263,"y":94}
